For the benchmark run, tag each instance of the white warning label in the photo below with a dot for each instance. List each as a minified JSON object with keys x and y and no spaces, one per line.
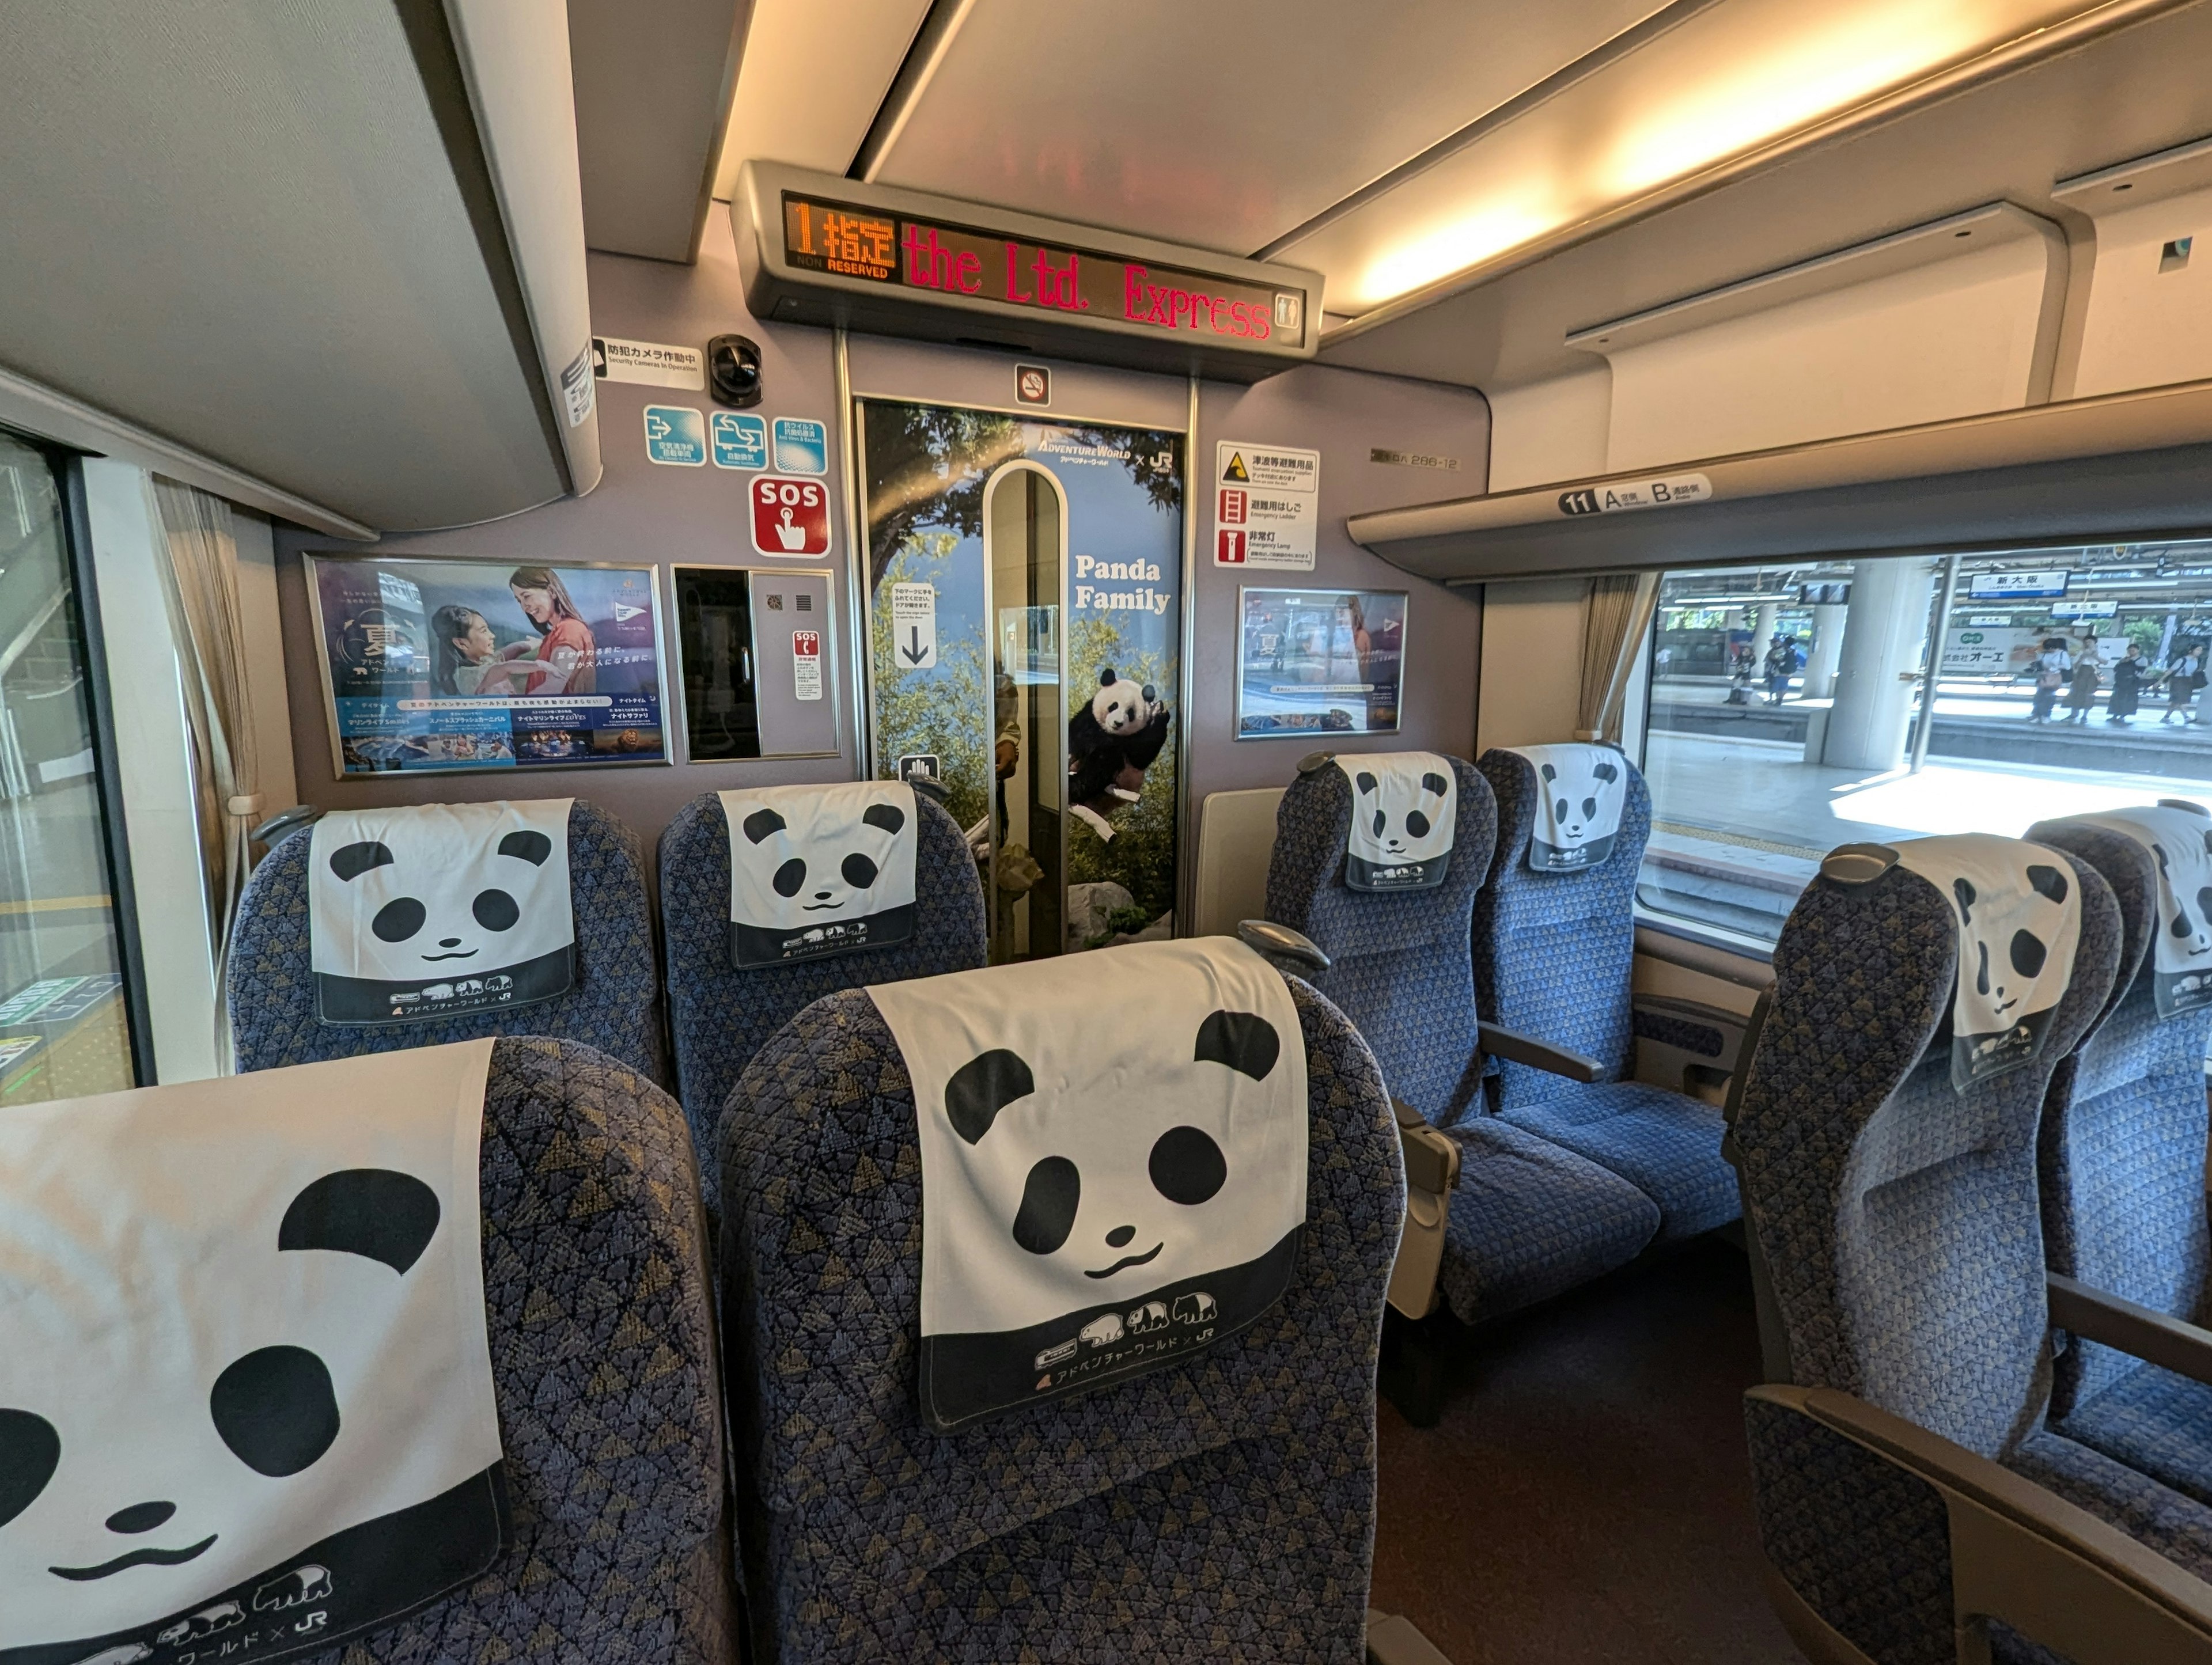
{"x":913,"y":626}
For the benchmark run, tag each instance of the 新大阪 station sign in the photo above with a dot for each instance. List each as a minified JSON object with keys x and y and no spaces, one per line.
{"x":816,"y":249}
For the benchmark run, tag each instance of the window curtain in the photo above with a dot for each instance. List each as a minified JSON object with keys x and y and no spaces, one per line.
{"x":201,"y":574}
{"x":1613,"y":624}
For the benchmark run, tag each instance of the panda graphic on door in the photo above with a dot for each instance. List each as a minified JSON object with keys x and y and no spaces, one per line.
{"x":816,"y":871}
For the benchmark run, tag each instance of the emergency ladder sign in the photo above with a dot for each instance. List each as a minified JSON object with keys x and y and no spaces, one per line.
{"x":1266,"y":506}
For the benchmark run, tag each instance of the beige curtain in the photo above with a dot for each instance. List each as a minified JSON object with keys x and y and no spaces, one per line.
{"x":1614,"y":623}
{"x":210,"y":634}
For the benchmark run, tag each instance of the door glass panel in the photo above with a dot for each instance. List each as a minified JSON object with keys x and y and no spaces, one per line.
{"x":1023,"y":528}
{"x":63,"y":1029}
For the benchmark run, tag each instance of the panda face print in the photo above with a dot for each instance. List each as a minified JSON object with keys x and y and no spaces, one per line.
{"x":1403,"y":827}
{"x":1405,"y":812}
{"x":2007,"y":961}
{"x":1581,"y":790}
{"x":1120,"y":706}
{"x":816,"y":871}
{"x":829,"y":883}
{"x":1575,"y":802}
{"x":401,"y":923}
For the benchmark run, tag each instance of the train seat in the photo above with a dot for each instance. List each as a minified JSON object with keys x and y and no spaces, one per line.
{"x":1554,"y":955}
{"x":1220,"y":1507}
{"x":1910,"y":1492}
{"x":613,"y":1002}
{"x":2123,"y":1156}
{"x":721,"y":1013}
{"x":1528,"y":1219}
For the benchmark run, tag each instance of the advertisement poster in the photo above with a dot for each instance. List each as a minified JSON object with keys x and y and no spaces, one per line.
{"x":485,"y":664}
{"x":1053,"y":727}
{"x":1319,"y":662}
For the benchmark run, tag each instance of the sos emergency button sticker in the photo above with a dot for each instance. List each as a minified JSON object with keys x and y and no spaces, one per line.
{"x":790,"y":517}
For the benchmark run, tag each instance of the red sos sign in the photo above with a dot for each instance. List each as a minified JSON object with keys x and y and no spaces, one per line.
{"x":790,"y":517}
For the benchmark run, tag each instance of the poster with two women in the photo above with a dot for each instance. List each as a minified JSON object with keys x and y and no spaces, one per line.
{"x":474,"y":664}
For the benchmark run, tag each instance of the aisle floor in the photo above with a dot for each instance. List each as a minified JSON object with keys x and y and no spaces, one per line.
{"x":1586,"y":1497}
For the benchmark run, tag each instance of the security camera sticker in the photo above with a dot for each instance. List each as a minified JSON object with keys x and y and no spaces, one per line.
{"x":1582,"y":790}
{"x":2178,"y":836}
{"x":439,"y":911}
{"x":2019,"y":911}
{"x":246,"y":1407}
{"x":1405,"y":809}
{"x":1106,"y":1190}
{"x":816,"y":871}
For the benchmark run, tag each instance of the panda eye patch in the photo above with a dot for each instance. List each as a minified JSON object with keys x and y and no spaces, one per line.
{"x":1380,"y":820}
{"x":494,"y":910}
{"x":1417,"y":823}
{"x":1049,"y":1200}
{"x":2204,"y":902}
{"x":30,"y":1451}
{"x":859,"y":872}
{"x":1982,"y":977}
{"x":1559,"y":810}
{"x":789,"y":876}
{"x":276,"y":1410}
{"x":2027,"y":953}
{"x":1589,"y":808}
{"x":1187,"y":1166}
{"x":396,"y":922}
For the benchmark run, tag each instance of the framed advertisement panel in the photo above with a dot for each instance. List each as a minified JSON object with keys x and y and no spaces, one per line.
{"x":1319,"y":662}
{"x":444,"y":664}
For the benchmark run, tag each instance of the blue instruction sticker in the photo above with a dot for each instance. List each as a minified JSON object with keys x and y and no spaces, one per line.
{"x":740,"y":441}
{"x":677,"y":435}
{"x":801,"y":447}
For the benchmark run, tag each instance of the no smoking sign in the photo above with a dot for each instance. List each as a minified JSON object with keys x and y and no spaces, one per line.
{"x":790,"y":517}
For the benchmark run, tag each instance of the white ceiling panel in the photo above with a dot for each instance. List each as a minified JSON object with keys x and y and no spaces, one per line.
{"x":815,"y":72}
{"x":1225,"y":126}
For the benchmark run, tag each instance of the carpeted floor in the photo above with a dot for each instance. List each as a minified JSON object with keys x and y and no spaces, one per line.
{"x":1585,"y":1497}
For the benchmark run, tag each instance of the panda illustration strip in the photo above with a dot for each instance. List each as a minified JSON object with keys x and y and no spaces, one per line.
{"x":1583,"y":789}
{"x":1111,"y":1181}
{"x":2019,"y":911}
{"x":246,"y":1393}
{"x":1405,"y":814}
{"x":440,"y":910}
{"x":816,"y":871}
{"x":2179,"y":835}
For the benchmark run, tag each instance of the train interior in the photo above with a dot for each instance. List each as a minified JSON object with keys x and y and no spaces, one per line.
{"x":838,"y":831}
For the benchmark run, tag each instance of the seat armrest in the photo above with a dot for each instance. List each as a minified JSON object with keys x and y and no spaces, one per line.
{"x":1518,"y":1048}
{"x":1266,"y":937}
{"x":2097,"y":1315}
{"x":2020,"y":1553}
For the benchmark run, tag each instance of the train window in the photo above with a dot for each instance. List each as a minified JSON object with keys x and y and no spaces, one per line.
{"x":1787,"y":707}
{"x":62,"y":1027}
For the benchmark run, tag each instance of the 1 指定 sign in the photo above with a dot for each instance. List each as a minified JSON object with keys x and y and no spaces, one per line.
{"x":806,"y":665}
{"x":801,"y":447}
{"x":653,"y":363}
{"x":1266,"y":506}
{"x":790,"y":517}
{"x":676,"y":434}
{"x":740,"y":441}
{"x":913,"y":626}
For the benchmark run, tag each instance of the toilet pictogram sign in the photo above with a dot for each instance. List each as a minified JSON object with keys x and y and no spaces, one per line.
{"x":790,"y":517}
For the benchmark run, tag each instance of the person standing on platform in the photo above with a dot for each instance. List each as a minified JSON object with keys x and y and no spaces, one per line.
{"x":2182,"y":681}
{"x":2128,"y":675}
{"x":2081,"y":695}
{"x":2052,"y":667}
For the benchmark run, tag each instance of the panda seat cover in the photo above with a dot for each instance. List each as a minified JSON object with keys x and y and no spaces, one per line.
{"x":2019,"y":913}
{"x":439,"y":911}
{"x":1405,"y":814}
{"x":246,"y":1404}
{"x":816,"y":871}
{"x":1098,"y":1199}
{"x":2179,"y":835}
{"x":1584,"y":788}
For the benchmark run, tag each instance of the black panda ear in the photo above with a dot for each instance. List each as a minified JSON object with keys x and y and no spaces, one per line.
{"x":531,"y":847}
{"x":1151,"y":695}
{"x":761,"y":822}
{"x":1244,"y":1041}
{"x":1967,"y":895}
{"x":371,"y":1212}
{"x":1364,"y":781}
{"x":1549,"y":773}
{"x":983,"y":1086}
{"x":890,"y":816}
{"x":1606,"y":772}
{"x":351,"y":862}
{"x":1106,"y":677}
{"x":1434,"y":783}
{"x":2047,"y":882}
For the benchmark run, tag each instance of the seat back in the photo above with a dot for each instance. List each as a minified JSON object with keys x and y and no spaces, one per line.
{"x":1553,"y":953}
{"x":1899,"y":1215}
{"x":1399,"y":966}
{"x":1099,"y":1526}
{"x":720,"y":1016}
{"x":2122,"y":1149}
{"x":614,"y":1005}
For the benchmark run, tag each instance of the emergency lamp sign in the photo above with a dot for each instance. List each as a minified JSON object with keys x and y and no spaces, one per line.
{"x":890,"y":249}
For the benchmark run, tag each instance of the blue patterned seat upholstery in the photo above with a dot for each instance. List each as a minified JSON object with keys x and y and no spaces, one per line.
{"x":1221,"y":1510}
{"x":1900,"y":1222}
{"x":720,"y":1016}
{"x":603,"y":1363}
{"x":2122,"y":1160}
{"x":614,"y":1005}
{"x":1529,"y":1220}
{"x":1554,"y":953}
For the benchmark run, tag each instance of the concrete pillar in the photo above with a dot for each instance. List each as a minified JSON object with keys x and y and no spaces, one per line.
{"x":1881,"y":652}
{"x":1826,"y":652}
{"x":1762,"y":628}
